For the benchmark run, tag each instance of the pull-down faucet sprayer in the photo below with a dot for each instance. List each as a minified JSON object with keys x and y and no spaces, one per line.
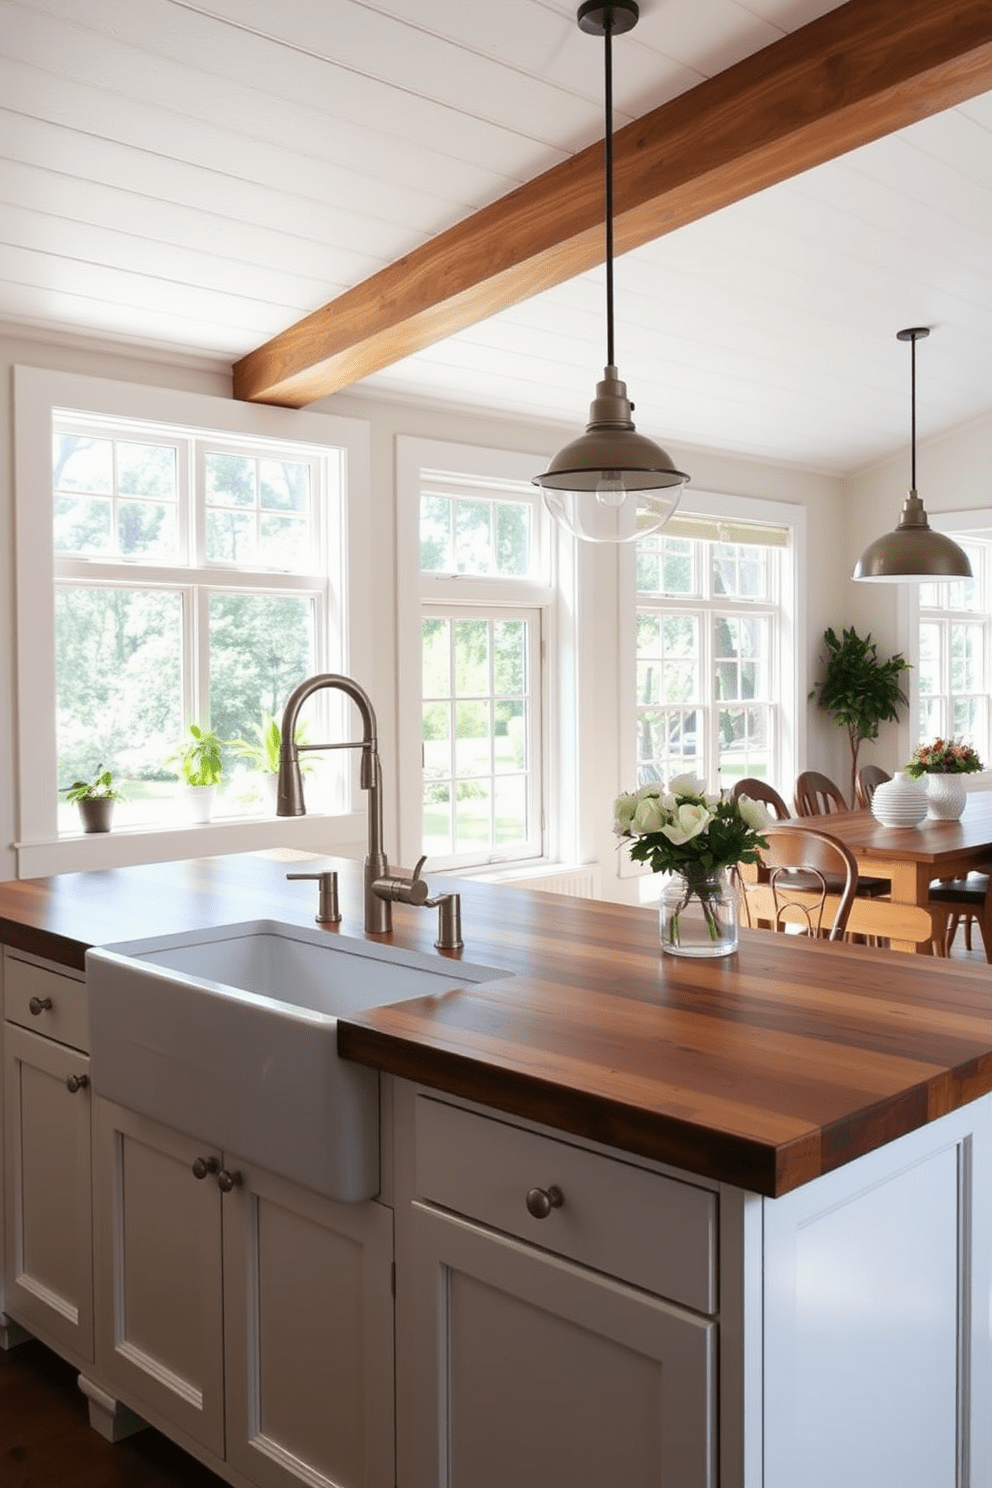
{"x":290,"y":802}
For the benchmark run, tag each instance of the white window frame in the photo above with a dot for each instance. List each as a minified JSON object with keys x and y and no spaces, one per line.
{"x":37,"y":396}
{"x":533,"y":616}
{"x":789,"y":682}
{"x":556,"y":735}
{"x":976,"y":523}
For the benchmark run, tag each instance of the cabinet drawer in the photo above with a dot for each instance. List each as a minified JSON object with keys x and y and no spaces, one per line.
{"x":641,"y":1227}
{"x":26,"y":984}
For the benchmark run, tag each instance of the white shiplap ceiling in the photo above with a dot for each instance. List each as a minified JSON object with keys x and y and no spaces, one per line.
{"x":190,"y":177}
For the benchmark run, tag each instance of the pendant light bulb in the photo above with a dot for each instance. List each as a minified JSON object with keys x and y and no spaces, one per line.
{"x":610,"y":489}
{"x":611,"y":485}
{"x":913,"y":552}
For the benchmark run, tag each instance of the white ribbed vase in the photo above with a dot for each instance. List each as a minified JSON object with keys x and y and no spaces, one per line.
{"x":899,"y":802}
{"x":946,"y":797}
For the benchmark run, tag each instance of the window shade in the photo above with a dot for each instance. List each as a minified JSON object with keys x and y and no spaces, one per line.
{"x":726,"y":530}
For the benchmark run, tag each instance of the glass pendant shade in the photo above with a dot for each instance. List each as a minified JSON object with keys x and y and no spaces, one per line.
{"x":611,"y":484}
{"x":913,"y":553}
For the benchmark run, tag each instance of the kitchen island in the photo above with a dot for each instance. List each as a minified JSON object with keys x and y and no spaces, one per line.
{"x":727,"y":1222}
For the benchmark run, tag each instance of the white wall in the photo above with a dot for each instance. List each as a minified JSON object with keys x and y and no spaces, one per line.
{"x":952,"y":475}
{"x":601,"y":773}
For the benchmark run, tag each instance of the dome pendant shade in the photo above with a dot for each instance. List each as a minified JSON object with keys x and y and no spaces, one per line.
{"x":611,"y":484}
{"x":913,"y":553}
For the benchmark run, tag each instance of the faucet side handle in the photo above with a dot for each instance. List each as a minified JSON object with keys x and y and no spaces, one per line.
{"x":328,"y":909}
{"x":412,"y":890}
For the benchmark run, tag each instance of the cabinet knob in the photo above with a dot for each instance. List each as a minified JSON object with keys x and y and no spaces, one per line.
{"x":76,"y":1082}
{"x":204,"y":1165}
{"x":39,"y":1005}
{"x":541,"y":1201}
{"x":226,"y":1181}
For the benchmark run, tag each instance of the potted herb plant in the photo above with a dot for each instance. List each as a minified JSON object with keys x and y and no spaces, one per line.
{"x":263,"y":753}
{"x":95,"y":799}
{"x":201,"y":767}
{"x":860,"y":690}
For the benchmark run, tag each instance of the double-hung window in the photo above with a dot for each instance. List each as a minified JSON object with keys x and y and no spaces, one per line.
{"x":715,"y":650}
{"x":171,"y":571}
{"x":474,"y":678}
{"x":953,"y":671}
{"x":191,"y":586}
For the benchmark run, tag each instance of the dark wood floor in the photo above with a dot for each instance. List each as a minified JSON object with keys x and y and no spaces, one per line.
{"x":46,"y":1440}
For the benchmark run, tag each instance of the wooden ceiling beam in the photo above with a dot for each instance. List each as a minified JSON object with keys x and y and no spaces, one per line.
{"x":862,"y":71}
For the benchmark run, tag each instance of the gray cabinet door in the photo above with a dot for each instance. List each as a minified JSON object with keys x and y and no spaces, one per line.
{"x":541,"y":1373}
{"x":48,"y":1247}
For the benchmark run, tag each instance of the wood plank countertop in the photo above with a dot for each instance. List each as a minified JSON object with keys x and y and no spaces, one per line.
{"x":764,"y":1069}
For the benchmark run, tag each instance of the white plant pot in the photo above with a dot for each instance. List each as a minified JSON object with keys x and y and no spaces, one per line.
{"x":198,"y":802}
{"x":946,"y":797}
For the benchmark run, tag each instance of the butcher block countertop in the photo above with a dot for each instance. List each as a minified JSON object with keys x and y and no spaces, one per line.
{"x":764,"y":1069}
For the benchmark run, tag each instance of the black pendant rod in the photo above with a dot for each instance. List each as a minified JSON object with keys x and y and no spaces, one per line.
{"x":608,"y":147}
{"x":912,"y":335}
{"x":912,"y":419}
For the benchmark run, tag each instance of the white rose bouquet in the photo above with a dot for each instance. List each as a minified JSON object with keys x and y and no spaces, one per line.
{"x":690,"y":831}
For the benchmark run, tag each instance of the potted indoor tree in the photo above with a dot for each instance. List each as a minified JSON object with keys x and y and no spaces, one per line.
{"x":95,"y":799}
{"x":860,"y":690}
{"x":201,"y":766}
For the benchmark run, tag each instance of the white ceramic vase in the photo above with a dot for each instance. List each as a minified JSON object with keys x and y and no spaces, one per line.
{"x":946,"y":797}
{"x":899,"y":802}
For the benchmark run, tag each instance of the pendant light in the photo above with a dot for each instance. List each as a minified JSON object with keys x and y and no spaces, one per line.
{"x":913,"y":553}
{"x":611,"y":484}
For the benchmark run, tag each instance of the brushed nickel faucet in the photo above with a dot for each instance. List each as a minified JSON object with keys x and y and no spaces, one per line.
{"x":290,"y":801}
{"x":382,"y":888}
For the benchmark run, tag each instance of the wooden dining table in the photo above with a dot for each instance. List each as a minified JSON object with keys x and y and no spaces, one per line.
{"x":912,"y":857}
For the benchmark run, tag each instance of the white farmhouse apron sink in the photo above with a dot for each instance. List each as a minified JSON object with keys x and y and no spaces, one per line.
{"x":230,"y":1034}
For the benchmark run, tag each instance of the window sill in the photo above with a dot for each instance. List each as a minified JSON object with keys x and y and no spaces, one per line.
{"x":123,"y":848}
{"x":582,"y":880}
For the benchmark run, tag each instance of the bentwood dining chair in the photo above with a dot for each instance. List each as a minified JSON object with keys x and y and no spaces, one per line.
{"x":805,"y":866}
{"x":870,"y":777}
{"x":760,"y":790}
{"x":817,"y":795}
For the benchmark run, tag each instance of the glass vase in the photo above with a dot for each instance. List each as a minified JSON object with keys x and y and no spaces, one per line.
{"x":946,"y":797}
{"x":699,"y":915}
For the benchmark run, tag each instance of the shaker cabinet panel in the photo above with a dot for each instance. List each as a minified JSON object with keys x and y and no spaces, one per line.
{"x":48,"y":1253}
{"x":537,"y":1371}
{"x":308,"y":1335}
{"x":159,"y":1301}
{"x":241,"y":1312}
